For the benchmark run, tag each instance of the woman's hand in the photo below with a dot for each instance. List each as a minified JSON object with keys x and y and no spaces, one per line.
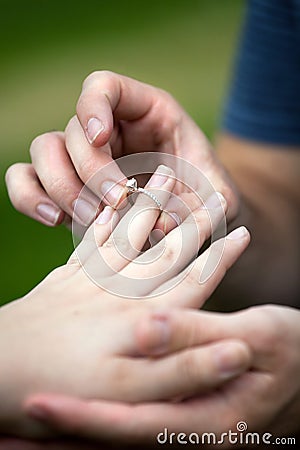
{"x":116,"y":116}
{"x":76,"y":332}
{"x":266,"y":397}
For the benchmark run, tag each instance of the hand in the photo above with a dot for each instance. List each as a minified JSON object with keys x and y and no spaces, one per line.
{"x":73,"y":335}
{"x":116,"y":116}
{"x":266,"y":397}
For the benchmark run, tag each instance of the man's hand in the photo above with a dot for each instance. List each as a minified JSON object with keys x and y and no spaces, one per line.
{"x":116,"y":116}
{"x":266,"y":397}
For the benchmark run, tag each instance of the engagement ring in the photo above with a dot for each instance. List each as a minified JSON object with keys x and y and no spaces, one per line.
{"x":133,"y":187}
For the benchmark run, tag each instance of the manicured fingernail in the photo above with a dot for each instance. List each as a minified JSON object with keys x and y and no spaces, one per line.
{"x":105,"y":215}
{"x":112,"y":192}
{"x":238,"y":233}
{"x":229,"y":360}
{"x":93,"y":129}
{"x":84,"y":212}
{"x":216,"y":200}
{"x":48,"y":212}
{"x":160,"y":176}
{"x":160,"y":327}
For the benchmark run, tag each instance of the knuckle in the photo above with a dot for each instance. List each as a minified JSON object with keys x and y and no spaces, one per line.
{"x":86,"y":168}
{"x":187,"y":366}
{"x":18,"y":195}
{"x":12,"y":172}
{"x":43,"y":141}
{"x":272,"y":330}
{"x":173,"y":112}
{"x":275,"y":327}
{"x":59,"y":190}
{"x":118,"y":243}
{"x":91,"y":77}
{"x":200,"y":226}
{"x":97,"y":77}
{"x":169,"y":253}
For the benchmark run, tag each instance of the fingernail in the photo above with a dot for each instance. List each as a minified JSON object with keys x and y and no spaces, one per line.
{"x":48,"y":213}
{"x":112,"y":192}
{"x":105,"y":215}
{"x":228,"y":360}
{"x":216,"y":200}
{"x":160,"y":176}
{"x":161,"y":329}
{"x":84,"y":212}
{"x":238,"y":233}
{"x":93,"y":129}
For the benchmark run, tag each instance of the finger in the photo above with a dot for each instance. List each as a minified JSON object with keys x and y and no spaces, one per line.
{"x":95,"y":236}
{"x":121,"y":422}
{"x":176,"y":211}
{"x":28,"y":196}
{"x":166,"y":331}
{"x":129,"y":236}
{"x":56,"y":173}
{"x":187,"y":373}
{"x":95,"y":167}
{"x":194,"y":286}
{"x":106,"y":94}
{"x":70,"y":415}
{"x":208,"y":327}
{"x":166,"y":259}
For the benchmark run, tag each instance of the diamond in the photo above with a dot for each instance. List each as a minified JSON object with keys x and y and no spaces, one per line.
{"x":132,"y":185}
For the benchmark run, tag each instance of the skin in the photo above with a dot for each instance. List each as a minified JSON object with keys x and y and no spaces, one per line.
{"x":134,"y":116}
{"x":257,"y":180}
{"x":111,"y":365}
{"x":266,"y":177}
{"x":270,"y":390}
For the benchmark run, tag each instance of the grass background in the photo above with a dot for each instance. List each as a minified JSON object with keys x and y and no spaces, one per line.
{"x":48,"y":47}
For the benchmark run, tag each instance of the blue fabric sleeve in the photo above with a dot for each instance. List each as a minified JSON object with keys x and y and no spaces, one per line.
{"x":264,"y":99}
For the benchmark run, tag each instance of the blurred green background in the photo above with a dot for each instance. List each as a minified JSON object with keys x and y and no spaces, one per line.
{"x":47,"y":49}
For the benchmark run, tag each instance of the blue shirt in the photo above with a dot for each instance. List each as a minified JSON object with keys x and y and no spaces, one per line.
{"x":264,"y":99}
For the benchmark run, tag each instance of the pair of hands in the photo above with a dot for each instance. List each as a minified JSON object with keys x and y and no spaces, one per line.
{"x":134,"y":117}
{"x":116,"y":116}
{"x":74,"y":336}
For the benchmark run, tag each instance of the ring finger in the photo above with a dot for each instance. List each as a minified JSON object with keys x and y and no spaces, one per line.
{"x":105,"y":250}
